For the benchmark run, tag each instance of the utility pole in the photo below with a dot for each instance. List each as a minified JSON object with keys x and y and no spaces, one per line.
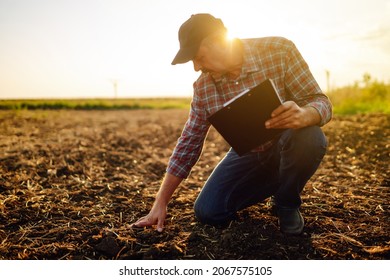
{"x":327,"y":81}
{"x":115,"y":85}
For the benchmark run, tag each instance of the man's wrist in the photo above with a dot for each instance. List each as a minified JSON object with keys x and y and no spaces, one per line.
{"x":313,"y":117}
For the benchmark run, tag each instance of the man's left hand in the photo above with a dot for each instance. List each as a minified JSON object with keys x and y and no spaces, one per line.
{"x":290,"y":115}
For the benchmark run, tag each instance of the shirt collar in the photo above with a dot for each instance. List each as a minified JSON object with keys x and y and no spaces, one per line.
{"x":249,"y":64}
{"x":249,"y":61}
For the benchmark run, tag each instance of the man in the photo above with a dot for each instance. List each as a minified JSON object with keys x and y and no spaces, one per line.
{"x":279,"y":168}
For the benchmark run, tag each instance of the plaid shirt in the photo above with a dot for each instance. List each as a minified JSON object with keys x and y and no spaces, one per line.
{"x":273,"y":58}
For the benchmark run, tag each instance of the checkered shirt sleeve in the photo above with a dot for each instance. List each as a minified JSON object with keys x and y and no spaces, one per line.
{"x":303,"y":88}
{"x":190,"y":143}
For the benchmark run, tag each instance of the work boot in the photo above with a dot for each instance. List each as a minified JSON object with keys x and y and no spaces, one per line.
{"x":290,"y":220}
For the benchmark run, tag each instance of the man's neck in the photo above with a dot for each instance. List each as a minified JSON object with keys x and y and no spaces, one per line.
{"x":235,"y":59}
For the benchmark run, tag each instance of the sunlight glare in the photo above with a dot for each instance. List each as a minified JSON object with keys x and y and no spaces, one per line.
{"x":308,"y":40}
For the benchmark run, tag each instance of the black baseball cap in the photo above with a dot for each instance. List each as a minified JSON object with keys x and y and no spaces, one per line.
{"x":191,"y":34}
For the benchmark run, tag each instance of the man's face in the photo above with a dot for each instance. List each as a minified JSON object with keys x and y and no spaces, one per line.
{"x":210,"y":59}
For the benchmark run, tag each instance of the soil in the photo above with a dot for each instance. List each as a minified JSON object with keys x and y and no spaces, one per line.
{"x":71,"y":183}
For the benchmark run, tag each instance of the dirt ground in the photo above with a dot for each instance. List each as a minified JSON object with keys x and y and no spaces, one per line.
{"x":71,"y":183}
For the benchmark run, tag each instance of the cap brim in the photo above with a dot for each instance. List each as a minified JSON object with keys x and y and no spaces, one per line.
{"x":184,"y":55}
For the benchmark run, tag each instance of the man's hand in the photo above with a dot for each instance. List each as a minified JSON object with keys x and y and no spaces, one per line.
{"x":158,"y":213}
{"x":290,"y":115}
{"x":156,"y":216}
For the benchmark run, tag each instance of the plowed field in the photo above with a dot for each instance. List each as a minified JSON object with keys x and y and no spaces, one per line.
{"x":71,"y":183}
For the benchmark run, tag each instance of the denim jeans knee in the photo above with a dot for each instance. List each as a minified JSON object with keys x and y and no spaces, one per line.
{"x":207,"y":214}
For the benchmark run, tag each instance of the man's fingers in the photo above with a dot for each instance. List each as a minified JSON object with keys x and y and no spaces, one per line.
{"x":282,"y":108}
{"x":160,"y":225}
{"x":146,"y":221}
{"x":279,"y":120}
{"x":156,"y":217}
{"x":278,"y":115}
{"x":142,"y":222}
{"x":285,"y":116}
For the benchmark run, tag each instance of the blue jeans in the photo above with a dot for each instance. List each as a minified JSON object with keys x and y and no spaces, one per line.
{"x":281,"y":171}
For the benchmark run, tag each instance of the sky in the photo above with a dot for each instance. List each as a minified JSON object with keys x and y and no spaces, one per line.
{"x":82,"y":48}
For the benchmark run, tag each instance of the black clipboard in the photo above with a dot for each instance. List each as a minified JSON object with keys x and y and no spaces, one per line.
{"x":241,"y":121}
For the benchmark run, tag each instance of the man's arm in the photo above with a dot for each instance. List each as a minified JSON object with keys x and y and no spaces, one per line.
{"x":302,"y":88}
{"x":158,"y":212}
{"x":184,"y":156}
